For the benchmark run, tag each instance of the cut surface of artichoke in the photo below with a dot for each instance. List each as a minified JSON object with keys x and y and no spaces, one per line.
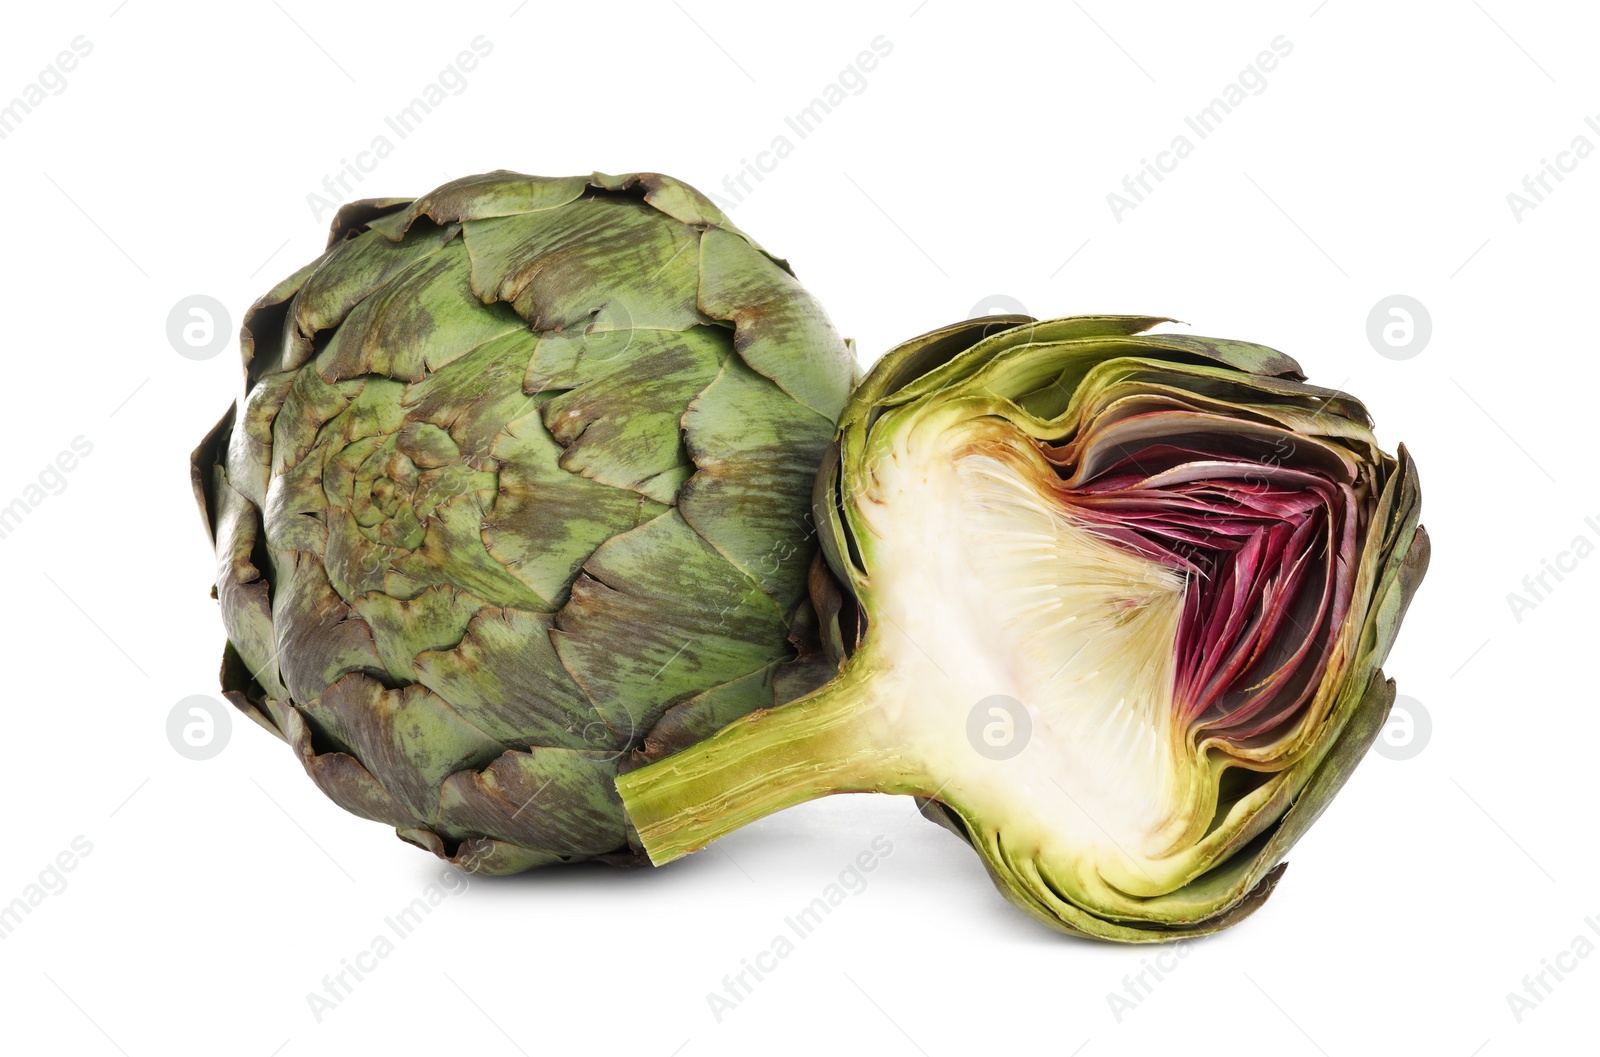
{"x":1008,"y":596}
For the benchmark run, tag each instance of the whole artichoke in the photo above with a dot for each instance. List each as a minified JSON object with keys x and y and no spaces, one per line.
{"x":1114,"y":605}
{"x":518,"y":496}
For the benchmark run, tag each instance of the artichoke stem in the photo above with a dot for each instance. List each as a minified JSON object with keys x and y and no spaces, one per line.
{"x":816,"y":745}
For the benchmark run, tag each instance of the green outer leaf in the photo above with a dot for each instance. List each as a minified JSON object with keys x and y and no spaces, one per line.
{"x":643,"y":450}
{"x":410,"y":736}
{"x":261,"y":333}
{"x":351,"y":271}
{"x":482,"y":855}
{"x":547,"y":521}
{"x":403,"y":629}
{"x":748,"y":441}
{"x":505,"y":677}
{"x":342,"y":777}
{"x":206,"y":469}
{"x":771,"y":317}
{"x":701,"y":716}
{"x":239,"y":688}
{"x":497,"y":801}
{"x":453,"y":555}
{"x":319,"y":639}
{"x":377,"y":214}
{"x":575,"y":252}
{"x":495,"y":194}
{"x":677,"y":200}
{"x":919,"y":368}
{"x":423,"y":318}
{"x":244,"y":594}
{"x":310,"y":403}
{"x":248,"y":460}
{"x":475,"y":396}
{"x":659,"y":617}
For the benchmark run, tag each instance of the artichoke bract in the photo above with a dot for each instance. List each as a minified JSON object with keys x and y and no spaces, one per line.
{"x":1113,"y":605}
{"x":518,"y":496}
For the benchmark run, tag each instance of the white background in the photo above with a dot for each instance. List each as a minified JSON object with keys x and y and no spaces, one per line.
{"x":976,"y":161}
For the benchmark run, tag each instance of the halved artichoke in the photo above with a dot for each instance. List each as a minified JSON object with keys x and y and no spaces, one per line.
{"x":1114,"y":606}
